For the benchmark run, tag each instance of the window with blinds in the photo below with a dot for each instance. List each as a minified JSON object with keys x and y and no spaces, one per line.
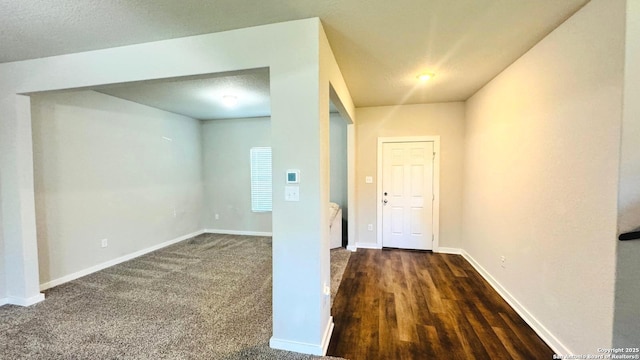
{"x":260,"y":179}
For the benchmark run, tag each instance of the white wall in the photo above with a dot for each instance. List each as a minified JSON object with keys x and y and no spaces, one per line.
{"x":226,"y":170}
{"x":445,"y":120}
{"x":3,"y":276}
{"x":104,"y":170}
{"x":541,"y":176}
{"x":338,"y":163}
{"x":627,"y":312}
{"x":227,"y":173}
{"x":331,"y":88}
{"x":16,"y":193}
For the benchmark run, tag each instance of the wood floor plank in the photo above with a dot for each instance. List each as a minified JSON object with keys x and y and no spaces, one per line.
{"x":521,"y":330}
{"x":448,"y":336}
{"x":418,"y":299}
{"x":472,"y":342}
{"x":463,"y":330}
{"x":387,"y":326}
{"x":512,"y":345}
{"x":431,"y":292}
{"x":396,"y":304}
{"x":431,"y":345}
{"x":454,"y":266}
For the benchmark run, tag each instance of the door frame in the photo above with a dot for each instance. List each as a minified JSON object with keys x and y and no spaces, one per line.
{"x":436,"y":184}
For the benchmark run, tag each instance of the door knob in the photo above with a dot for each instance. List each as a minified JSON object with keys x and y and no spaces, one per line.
{"x":385,"y":201}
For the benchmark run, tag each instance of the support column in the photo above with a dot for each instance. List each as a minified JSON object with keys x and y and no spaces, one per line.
{"x":300,"y":137}
{"x":18,"y":206}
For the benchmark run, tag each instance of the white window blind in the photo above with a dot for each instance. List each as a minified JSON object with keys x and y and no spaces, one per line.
{"x":260,"y":179}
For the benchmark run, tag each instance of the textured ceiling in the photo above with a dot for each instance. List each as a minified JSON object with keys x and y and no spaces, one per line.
{"x":202,"y":98}
{"x":380,"y":45}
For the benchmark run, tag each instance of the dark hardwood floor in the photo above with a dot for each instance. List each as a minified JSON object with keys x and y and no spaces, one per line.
{"x":397,"y":304}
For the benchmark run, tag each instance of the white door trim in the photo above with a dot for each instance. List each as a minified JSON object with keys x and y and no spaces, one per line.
{"x":436,"y":184}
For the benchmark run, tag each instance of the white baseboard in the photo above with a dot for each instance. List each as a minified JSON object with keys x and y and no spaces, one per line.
{"x":116,"y":261}
{"x":541,"y":330}
{"x":326,"y":339}
{"x":361,"y":245}
{"x":352,"y":248}
{"x":305,"y":348}
{"x":24,"y":301}
{"x":448,"y":250}
{"x":238,"y":232}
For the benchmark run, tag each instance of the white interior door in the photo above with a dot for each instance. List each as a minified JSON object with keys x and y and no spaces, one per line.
{"x":407,"y":195}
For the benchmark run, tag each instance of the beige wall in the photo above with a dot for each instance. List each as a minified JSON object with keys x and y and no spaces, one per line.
{"x":445,"y":120}
{"x":102,"y":169}
{"x":541,"y":176}
{"x":338,"y":162}
{"x":627,"y":311}
{"x":3,"y":291}
{"x":226,"y":170}
{"x":227,"y":173}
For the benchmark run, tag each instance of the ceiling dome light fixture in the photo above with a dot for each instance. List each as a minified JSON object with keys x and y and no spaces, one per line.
{"x":424,"y":77}
{"x":230,"y":100}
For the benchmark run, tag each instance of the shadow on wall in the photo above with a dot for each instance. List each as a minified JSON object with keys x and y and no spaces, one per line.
{"x":345,"y":233}
{"x":2,"y":275}
{"x":626,"y":332}
{"x":629,"y":218}
{"x":338,"y":162}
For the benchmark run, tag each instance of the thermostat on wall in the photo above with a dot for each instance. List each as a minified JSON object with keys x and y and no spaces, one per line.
{"x":293,"y":176}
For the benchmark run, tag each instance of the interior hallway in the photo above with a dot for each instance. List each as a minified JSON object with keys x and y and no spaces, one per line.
{"x":398,"y":304}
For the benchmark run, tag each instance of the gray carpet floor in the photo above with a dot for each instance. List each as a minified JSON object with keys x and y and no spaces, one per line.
{"x":208,"y":297}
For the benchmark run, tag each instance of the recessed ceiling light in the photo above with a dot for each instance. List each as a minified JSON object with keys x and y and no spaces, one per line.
{"x":424,"y":77}
{"x":230,"y":100}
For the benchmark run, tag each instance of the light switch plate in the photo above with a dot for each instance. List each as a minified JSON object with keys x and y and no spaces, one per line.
{"x":291,"y":193}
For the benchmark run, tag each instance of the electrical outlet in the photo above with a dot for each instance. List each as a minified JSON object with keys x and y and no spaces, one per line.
{"x":104,"y":243}
{"x":326,"y":290}
{"x":175,"y":213}
{"x":370,"y":227}
{"x":217,"y":216}
{"x":503,"y":259}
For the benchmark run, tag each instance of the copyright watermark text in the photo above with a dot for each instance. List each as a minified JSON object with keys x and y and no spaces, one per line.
{"x":605,"y":353}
